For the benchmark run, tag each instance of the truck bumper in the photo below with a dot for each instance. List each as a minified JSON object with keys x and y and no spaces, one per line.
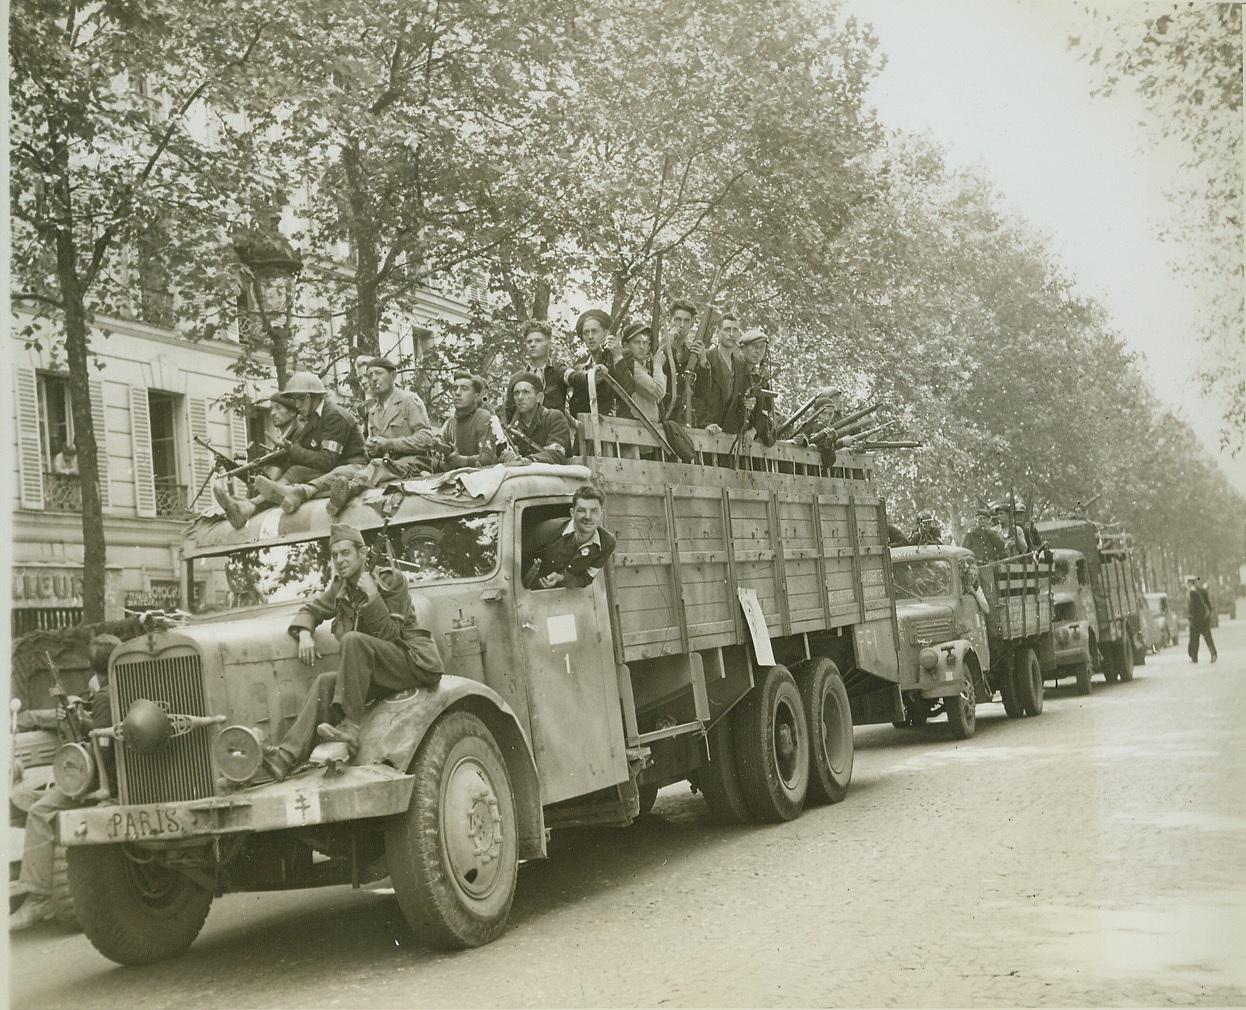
{"x":311,"y":797}
{"x":1072,"y":642}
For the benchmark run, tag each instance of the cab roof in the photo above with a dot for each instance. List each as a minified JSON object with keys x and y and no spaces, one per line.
{"x":946,"y":551}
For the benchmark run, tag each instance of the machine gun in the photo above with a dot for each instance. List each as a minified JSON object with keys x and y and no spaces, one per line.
{"x":226,"y":467}
{"x":509,"y":437}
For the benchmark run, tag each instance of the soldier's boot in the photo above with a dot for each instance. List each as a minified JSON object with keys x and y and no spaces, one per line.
{"x":237,"y":510}
{"x":347,"y":732}
{"x":344,"y":489}
{"x":35,"y":909}
{"x":274,"y":491}
{"x":275,"y":763}
{"x":295,"y":496}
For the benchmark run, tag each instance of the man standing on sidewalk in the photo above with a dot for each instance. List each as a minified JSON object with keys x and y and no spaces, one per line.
{"x":1200,"y":618}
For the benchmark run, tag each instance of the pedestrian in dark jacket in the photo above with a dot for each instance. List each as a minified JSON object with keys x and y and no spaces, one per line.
{"x":1200,"y":618}
{"x":383,"y":650}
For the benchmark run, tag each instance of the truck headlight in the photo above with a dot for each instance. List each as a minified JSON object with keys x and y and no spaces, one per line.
{"x":73,"y":769}
{"x":928,"y":659}
{"x":238,"y":750}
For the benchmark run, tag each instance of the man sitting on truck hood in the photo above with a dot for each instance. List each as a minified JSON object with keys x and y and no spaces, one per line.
{"x":383,"y":650}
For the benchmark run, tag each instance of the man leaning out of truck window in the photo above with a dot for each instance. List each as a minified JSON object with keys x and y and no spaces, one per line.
{"x":383,"y":650}
{"x":571,"y":552}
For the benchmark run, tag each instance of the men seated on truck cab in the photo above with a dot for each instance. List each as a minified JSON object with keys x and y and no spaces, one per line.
{"x":986,"y":544}
{"x":569,"y":552}
{"x":383,"y":650}
{"x":466,"y":431}
{"x":537,"y":434}
{"x":327,"y":438}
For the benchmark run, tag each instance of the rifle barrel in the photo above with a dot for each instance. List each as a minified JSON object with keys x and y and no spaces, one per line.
{"x":856,"y":415}
{"x":890,"y":445}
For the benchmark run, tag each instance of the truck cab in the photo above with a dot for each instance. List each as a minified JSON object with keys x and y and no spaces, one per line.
{"x":942,"y":636}
{"x":1074,"y":622}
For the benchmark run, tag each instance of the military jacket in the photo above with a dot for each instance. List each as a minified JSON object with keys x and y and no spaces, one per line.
{"x":403,"y":419}
{"x":328,"y":437}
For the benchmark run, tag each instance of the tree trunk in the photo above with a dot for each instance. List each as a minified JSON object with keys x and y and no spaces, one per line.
{"x":540,"y":299}
{"x":366,"y":338}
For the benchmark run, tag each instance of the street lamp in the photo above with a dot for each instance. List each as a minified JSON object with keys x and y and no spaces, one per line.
{"x":271,"y":264}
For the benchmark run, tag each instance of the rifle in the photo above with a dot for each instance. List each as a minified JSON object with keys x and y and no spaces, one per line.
{"x":507,"y":436}
{"x":689,"y":377}
{"x":638,"y":414}
{"x":655,"y":311}
{"x":227,"y":467}
{"x":815,"y":404}
{"x":861,"y":436}
{"x":870,"y":446}
{"x":71,"y":704}
{"x":840,"y":426}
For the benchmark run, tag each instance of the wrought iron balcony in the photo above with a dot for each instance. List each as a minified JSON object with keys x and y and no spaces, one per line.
{"x":62,"y":492}
{"x":171,"y":498}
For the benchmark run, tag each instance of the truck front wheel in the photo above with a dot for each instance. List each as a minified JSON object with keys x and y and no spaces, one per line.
{"x":1027,"y":678}
{"x":133,"y":908}
{"x":454,"y":855}
{"x":962,"y":711}
{"x":830,"y":729}
{"x":772,"y":740}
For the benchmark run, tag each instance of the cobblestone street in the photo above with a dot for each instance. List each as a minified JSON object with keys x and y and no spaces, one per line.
{"x":1095,"y":855}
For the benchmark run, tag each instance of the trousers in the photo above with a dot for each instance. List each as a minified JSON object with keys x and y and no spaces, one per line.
{"x":368,"y":668}
{"x":40,"y":841}
{"x":1200,"y":629}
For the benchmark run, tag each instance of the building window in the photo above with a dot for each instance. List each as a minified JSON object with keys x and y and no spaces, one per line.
{"x":170,"y":494}
{"x":62,"y":489}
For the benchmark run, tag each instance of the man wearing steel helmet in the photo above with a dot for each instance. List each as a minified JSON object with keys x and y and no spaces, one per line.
{"x":383,"y":650}
{"x":328,"y":437}
{"x":39,"y":843}
{"x":928,"y":532}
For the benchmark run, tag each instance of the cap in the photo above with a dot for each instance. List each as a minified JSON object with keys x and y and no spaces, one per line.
{"x":384,"y":363}
{"x":636,"y":330}
{"x":340,"y":531}
{"x":751,"y":336}
{"x":600,"y":315}
{"x":532,"y":378}
{"x":983,"y":512}
{"x":304,"y":382}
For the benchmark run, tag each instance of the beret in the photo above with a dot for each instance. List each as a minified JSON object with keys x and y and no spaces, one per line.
{"x":340,"y":531}
{"x":599,"y":314}
{"x":385,"y":363}
{"x":530,"y":377}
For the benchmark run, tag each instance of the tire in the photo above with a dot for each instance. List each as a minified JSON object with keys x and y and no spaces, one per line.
{"x":962,"y":711}
{"x":720,"y":783}
{"x":772,"y":747}
{"x":1125,"y":666}
{"x":648,"y":796}
{"x":1008,"y":692}
{"x":1028,"y":682}
{"x":62,"y":901}
{"x":1139,"y":656}
{"x":829,"y":715}
{"x":1112,"y":661}
{"x":453,"y":856}
{"x":1081,"y":672}
{"x":134,"y":912}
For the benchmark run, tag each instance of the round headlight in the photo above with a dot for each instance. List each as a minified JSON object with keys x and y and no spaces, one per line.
{"x":73,"y":768}
{"x":146,"y":726}
{"x":928,"y":658}
{"x":238,"y":750}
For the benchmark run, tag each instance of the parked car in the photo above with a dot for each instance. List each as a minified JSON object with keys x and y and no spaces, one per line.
{"x":1167,"y":621}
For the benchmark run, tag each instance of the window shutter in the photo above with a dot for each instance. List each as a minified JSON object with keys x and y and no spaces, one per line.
{"x":101,"y":437}
{"x":200,"y":459}
{"x":29,"y":447}
{"x":144,"y":471}
{"x":237,"y":434}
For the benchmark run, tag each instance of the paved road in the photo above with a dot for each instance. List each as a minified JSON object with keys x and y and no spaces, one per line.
{"x":1095,"y":855}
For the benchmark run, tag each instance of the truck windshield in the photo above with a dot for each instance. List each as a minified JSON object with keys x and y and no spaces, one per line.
{"x":434,"y":550}
{"x":918,"y":579}
{"x":1060,"y":572}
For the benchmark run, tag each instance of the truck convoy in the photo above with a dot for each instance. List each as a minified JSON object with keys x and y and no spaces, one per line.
{"x":967,"y":632}
{"x":746,"y":616}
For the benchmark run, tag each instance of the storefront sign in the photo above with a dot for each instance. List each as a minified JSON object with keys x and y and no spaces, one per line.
{"x":47,"y":587}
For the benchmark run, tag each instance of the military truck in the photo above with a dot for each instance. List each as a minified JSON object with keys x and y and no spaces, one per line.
{"x":1075,"y":624}
{"x":957,"y":650}
{"x":746,"y":612}
{"x":1114,"y":584}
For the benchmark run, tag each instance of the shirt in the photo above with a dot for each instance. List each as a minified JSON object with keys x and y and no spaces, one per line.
{"x":554,"y":550}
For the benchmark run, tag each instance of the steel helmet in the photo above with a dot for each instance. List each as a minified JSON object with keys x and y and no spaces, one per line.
{"x":304,"y":382}
{"x":925,"y":516}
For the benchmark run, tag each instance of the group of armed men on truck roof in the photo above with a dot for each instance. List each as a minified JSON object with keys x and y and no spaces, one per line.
{"x":1001,"y":530}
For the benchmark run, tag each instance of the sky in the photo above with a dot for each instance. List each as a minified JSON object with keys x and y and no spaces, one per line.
{"x":995,"y":83}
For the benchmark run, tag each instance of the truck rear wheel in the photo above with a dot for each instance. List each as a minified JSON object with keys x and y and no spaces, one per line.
{"x":1008,"y":690}
{"x":1125,"y":661}
{"x":62,"y":900}
{"x":133,"y":908}
{"x":962,"y":711}
{"x":830,"y":729}
{"x":1027,"y":678}
{"x":720,"y":783}
{"x":453,"y":856}
{"x":648,"y":797}
{"x":1081,"y":673}
{"x":772,"y":741}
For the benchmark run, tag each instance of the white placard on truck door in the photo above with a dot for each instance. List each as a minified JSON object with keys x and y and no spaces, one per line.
{"x":756,"y":626}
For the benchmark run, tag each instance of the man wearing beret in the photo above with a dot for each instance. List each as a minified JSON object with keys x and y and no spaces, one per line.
{"x":537,"y":336}
{"x":383,"y":650}
{"x":399,"y":444}
{"x":986,"y":544}
{"x":327,"y":437}
{"x":605,"y":353}
{"x":545,"y":436}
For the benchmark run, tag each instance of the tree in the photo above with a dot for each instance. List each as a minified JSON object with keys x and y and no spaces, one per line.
{"x":1186,"y":63}
{"x":103,"y":174}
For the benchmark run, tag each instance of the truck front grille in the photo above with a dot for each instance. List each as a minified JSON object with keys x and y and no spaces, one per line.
{"x":182,"y":768}
{"x":931,"y":629}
